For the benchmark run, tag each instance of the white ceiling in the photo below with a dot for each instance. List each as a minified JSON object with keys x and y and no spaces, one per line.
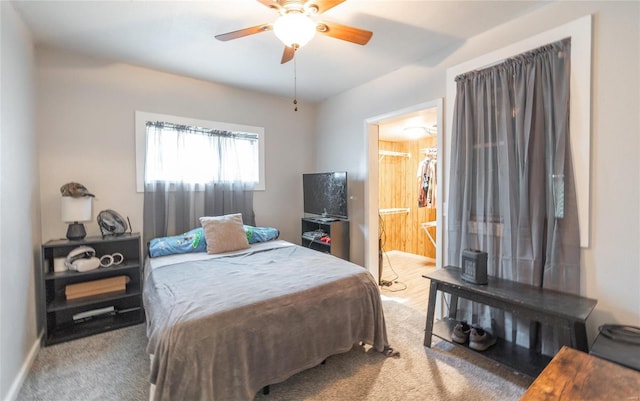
{"x":178,"y":37}
{"x":396,"y":129}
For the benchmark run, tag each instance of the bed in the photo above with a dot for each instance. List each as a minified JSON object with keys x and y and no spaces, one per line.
{"x":222,"y":327}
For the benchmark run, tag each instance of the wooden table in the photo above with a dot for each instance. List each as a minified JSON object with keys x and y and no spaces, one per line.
{"x":574,"y":375}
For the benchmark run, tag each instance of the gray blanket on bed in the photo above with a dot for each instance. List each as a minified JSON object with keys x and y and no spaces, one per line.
{"x":222,"y":329}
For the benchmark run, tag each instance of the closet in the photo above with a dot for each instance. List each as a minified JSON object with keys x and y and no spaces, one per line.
{"x":407,"y":195}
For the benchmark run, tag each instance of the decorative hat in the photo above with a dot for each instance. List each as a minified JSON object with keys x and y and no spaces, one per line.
{"x":75,"y":190}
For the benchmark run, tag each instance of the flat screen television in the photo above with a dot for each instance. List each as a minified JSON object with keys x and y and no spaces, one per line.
{"x":325,"y":194}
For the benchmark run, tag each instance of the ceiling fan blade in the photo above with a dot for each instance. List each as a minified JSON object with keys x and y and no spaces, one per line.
{"x":244,"y":32}
{"x":344,"y":32}
{"x":271,"y":4}
{"x":321,"y":6}
{"x":288,"y":54}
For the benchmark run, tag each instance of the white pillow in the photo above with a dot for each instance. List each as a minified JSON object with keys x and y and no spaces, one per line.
{"x":224,"y":233}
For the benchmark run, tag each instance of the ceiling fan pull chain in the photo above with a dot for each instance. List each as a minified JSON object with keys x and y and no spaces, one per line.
{"x":295,"y":81}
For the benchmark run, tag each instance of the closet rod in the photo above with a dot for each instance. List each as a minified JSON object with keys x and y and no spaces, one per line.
{"x":392,"y":153}
{"x":394,"y":210}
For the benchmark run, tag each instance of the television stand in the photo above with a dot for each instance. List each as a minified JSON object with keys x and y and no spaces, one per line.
{"x":336,"y":230}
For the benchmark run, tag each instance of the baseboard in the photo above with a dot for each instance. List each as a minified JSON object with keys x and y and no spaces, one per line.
{"x":152,"y":387}
{"x":12,"y":395}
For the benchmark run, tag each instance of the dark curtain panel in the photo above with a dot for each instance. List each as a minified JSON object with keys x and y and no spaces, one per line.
{"x":175,"y":208}
{"x":227,"y":197}
{"x":512,"y":190}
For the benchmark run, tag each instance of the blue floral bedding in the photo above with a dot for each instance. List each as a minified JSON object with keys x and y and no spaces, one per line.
{"x":194,"y":241}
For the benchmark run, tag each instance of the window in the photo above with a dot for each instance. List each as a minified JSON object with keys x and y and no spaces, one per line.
{"x":171,"y":148}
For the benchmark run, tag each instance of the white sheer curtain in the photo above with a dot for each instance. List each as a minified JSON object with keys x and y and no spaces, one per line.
{"x":183,"y":154}
{"x":512,"y":190}
{"x":192,"y":172}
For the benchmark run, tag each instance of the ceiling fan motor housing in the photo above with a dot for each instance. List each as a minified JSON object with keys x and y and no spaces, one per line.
{"x":300,"y":6}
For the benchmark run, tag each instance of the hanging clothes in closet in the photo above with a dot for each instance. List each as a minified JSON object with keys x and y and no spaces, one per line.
{"x":427,"y":179}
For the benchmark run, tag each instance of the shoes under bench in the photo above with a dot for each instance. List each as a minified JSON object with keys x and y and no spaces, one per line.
{"x":478,"y":338}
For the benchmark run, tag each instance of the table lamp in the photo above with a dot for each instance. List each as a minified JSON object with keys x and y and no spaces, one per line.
{"x":74,"y":211}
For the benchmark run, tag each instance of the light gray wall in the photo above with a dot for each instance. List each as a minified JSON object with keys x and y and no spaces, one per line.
{"x":19,"y":201}
{"x":86,"y":132}
{"x":611,"y":265}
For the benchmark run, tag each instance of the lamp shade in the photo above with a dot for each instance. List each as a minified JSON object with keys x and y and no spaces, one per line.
{"x":76,"y":209}
{"x":294,"y":29}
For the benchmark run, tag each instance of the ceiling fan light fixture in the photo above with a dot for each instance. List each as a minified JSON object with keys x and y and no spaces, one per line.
{"x":294,"y":29}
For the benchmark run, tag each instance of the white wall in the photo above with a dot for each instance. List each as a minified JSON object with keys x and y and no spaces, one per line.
{"x":86,"y":133}
{"x":19,"y":203}
{"x":611,"y":265}
{"x":73,"y":117}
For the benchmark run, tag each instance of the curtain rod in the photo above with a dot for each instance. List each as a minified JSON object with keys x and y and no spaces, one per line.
{"x":201,"y":130}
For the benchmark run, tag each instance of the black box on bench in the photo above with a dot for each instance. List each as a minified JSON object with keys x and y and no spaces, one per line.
{"x":474,"y":266}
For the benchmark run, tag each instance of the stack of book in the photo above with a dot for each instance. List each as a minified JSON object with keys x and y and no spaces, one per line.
{"x":111,"y":285}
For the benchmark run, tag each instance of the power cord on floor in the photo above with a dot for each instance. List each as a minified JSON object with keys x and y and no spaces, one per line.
{"x":387,"y":284}
{"x":390,"y":287}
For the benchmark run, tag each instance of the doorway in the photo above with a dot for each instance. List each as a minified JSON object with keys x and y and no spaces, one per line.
{"x":402,"y":198}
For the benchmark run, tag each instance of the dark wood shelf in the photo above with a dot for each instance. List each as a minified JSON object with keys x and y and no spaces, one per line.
{"x":75,"y":330}
{"x":94,"y":239}
{"x":57,"y":312}
{"x":62,"y":304}
{"x":513,"y":356}
{"x":307,"y":241}
{"x":96,"y":273}
{"x":336,"y":229}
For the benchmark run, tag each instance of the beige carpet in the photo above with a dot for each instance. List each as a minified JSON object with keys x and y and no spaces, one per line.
{"x":113,"y":366}
{"x":443,"y":372}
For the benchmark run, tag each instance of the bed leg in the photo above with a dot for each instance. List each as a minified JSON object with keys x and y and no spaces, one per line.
{"x":265,"y":390}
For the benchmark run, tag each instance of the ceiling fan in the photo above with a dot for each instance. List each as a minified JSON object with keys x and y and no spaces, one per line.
{"x":296,"y":26}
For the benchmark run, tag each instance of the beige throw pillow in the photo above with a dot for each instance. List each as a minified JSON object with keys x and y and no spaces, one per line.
{"x":224,"y":233}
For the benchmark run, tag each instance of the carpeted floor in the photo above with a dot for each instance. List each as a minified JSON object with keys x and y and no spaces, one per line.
{"x":114,"y":367}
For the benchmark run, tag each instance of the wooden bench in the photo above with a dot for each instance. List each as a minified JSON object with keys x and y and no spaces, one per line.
{"x":566,"y":312}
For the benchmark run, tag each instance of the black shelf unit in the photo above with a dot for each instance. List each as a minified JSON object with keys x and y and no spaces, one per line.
{"x":337,"y":230}
{"x":58,"y":312}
